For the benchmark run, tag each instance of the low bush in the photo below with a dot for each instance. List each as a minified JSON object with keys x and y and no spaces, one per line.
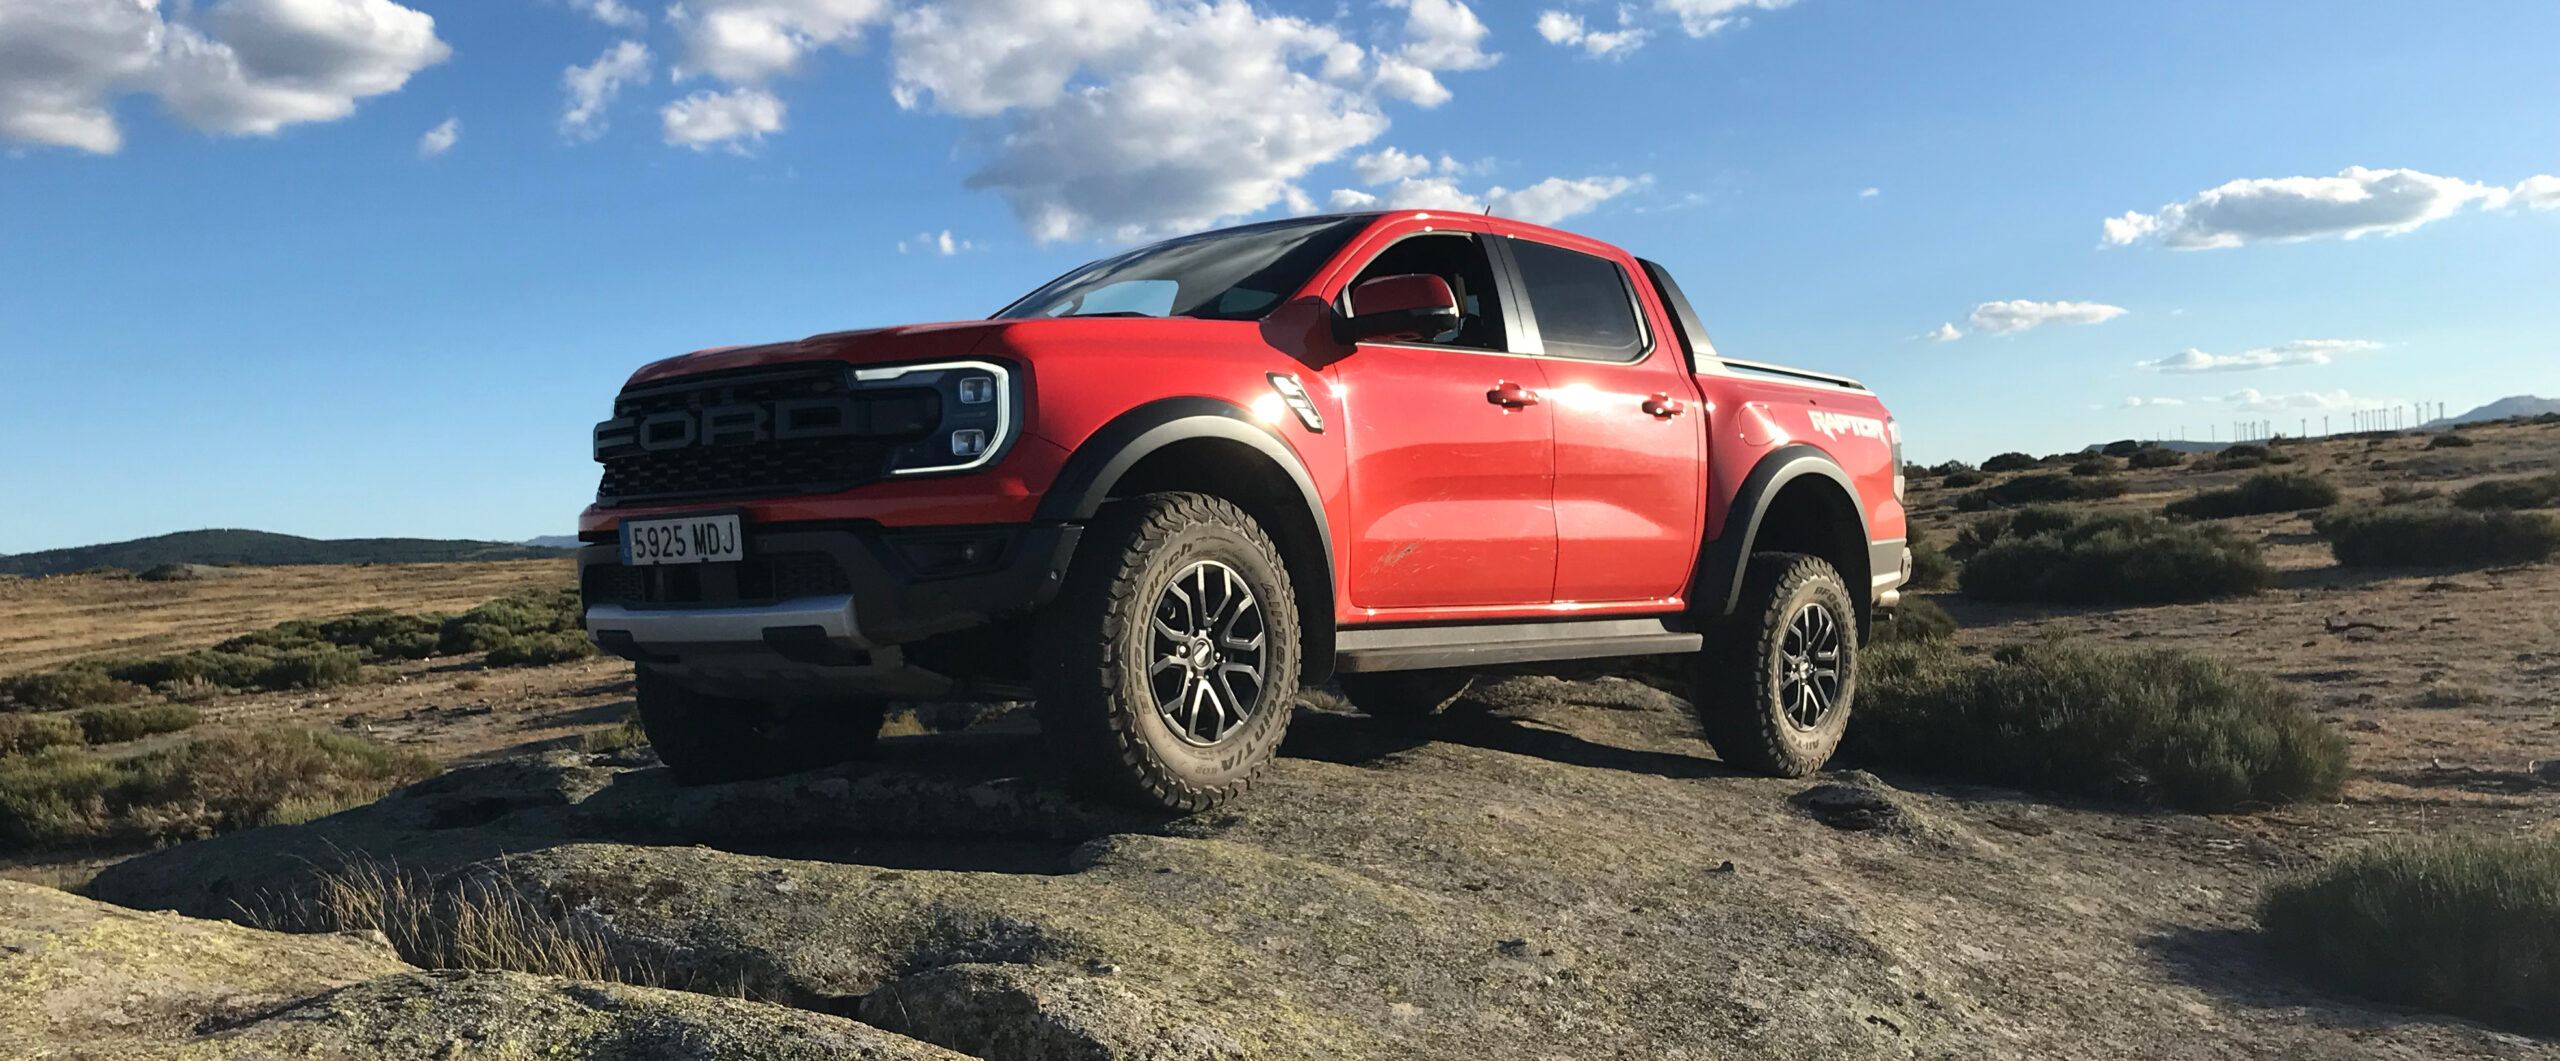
{"x":1957,"y":480}
{"x":111,"y":725}
{"x":2469,"y":926}
{"x":2093,"y":466}
{"x":2260,"y":493}
{"x":2532,"y":491}
{"x":1949,"y":468}
{"x":2161,"y":727}
{"x":2053,"y":555}
{"x":1917,"y":619}
{"x":27,"y":734}
{"x":2398,"y":494}
{"x":1930,"y":568}
{"x":2156,"y":457}
{"x":2431,"y":535}
{"x":516,"y":615}
{"x":2041,"y":487}
{"x":540,"y":650}
{"x":209,"y":785}
{"x":2009,"y":462}
{"x":63,"y":688}
{"x":2449,"y":441}
{"x":2123,"y":447}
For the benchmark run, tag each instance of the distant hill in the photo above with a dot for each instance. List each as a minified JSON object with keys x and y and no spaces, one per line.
{"x":554,"y":541}
{"x":2517,"y":405}
{"x":262,"y":549}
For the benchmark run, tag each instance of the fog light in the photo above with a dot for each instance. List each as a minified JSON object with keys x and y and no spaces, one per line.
{"x":977,"y":390}
{"x":968,"y":442}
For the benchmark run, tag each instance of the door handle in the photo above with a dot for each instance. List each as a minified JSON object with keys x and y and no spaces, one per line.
{"x":1664,"y":407}
{"x":1511,"y":395}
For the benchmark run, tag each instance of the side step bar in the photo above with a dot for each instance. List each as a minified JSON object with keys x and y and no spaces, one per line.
{"x":1359,"y":650}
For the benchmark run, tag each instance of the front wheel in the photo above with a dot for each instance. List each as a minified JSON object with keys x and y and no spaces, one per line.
{"x":1169,"y":661}
{"x":1774,"y":685}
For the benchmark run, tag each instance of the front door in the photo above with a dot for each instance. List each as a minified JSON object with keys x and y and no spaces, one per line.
{"x":1450,"y":450}
{"x":1628,"y":476}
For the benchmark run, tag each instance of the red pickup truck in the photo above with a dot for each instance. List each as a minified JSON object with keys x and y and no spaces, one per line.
{"x":1169,"y":489}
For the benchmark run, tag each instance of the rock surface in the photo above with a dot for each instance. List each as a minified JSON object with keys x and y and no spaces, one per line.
{"x":1561,"y":872}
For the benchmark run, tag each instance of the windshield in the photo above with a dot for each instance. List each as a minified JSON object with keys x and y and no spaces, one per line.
{"x":1233,"y":274}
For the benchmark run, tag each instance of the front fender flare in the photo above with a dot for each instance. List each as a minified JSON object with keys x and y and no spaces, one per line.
{"x":1719,"y":585}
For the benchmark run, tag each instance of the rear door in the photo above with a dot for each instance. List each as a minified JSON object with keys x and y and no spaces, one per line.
{"x":1451,"y":459}
{"x":1627,"y":428}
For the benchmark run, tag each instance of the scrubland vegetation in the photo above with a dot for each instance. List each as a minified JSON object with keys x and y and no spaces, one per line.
{"x":2469,"y":926}
{"x":2042,"y":487}
{"x":2423,"y":535}
{"x":65,"y":795}
{"x":2261,"y":493}
{"x":2058,"y":555}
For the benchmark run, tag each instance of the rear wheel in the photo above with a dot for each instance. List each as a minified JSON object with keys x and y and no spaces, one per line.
{"x":1406,"y":695}
{"x":1169,"y":661}
{"x":1775,"y":684}
{"x":707,"y":739}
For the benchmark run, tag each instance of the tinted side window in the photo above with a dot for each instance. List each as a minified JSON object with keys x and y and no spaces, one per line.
{"x":1460,"y":260}
{"x":1582,"y":303}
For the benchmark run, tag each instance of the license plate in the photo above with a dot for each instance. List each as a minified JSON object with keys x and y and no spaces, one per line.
{"x":684,"y":540}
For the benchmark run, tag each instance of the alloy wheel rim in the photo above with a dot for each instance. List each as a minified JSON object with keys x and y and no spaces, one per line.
{"x":1809,"y":667}
{"x":1206,"y":653}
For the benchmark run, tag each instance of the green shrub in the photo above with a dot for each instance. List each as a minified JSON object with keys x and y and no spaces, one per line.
{"x":2160,"y":727}
{"x":2260,"y":493}
{"x":1957,"y":480}
{"x":2468,"y":926}
{"x":2156,"y":457}
{"x":211,"y":784}
{"x":2397,"y":494}
{"x":2093,"y":466}
{"x":2449,"y":441}
{"x":27,"y":734}
{"x":2242,"y":451}
{"x":2041,"y":487}
{"x":2532,"y":491}
{"x":110,"y":725}
{"x":1930,"y":568}
{"x":518,"y":614}
{"x":1949,"y":468}
{"x":2009,"y":462}
{"x":1916,"y":619}
{"x":63,"y":688}
{"x":2430,"y":535}
{"x":2119,"y":558}
{"x":537,"y":650}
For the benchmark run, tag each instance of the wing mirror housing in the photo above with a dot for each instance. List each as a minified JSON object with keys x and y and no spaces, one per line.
{"x":1407,"y":308}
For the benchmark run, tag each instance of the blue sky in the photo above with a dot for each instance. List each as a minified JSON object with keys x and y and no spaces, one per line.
{"x":239,"y":286}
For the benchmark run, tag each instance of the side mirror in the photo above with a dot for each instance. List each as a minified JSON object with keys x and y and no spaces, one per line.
{"x":1407,"y":308}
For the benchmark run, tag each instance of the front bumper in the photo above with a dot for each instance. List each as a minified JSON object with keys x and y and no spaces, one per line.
{"x":820,"y":607}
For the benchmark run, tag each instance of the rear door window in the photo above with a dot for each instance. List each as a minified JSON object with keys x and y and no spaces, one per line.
{"x":1583,"y":304}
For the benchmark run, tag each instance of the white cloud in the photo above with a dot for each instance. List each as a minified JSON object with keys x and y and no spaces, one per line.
{"x":1559,"y":27}
{"x":2017,"y":315}
{"x":738,"y":119}
{"x":1943,"y":333}
{"x":2297,"y":352}
{"x":239,"y":67}
{"x":613,"y":13}
{"x":1389,"y":164}
{"x":2251,"y":399}
{"x":592,"y":87}
{"x":1870,"y":193}
{"x":941,"y":243}
{"x":440,"y":139}
{"x":2357,"y":202}
{"x":749,"y":42}
{"x":1699,"y":18}
{"x":1544,"y":203}
{"x":2142,"y":403}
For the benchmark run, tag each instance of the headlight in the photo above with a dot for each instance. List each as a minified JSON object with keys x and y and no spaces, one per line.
{"x":966,"y":408}
{"x":1893,"y":433}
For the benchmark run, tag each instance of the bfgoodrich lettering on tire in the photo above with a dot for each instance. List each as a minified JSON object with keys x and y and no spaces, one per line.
{"x":1774,"y":686}
{"x":1168,"y":664}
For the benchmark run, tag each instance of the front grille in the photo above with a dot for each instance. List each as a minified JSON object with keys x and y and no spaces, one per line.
{"x":753,"y":580}
{"x":851,"y":445}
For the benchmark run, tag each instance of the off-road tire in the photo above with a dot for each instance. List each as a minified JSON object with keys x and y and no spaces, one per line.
{"x":1405,"y":696}
{"x":1741,"y":671}
{"x":1095,"y":700}
{"x":711,"y":739}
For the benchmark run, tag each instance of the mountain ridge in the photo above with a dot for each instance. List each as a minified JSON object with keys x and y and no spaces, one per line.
{"x":263,"y":549}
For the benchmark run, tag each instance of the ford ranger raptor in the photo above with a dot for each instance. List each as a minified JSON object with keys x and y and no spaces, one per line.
{"x":1166,"y":491}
